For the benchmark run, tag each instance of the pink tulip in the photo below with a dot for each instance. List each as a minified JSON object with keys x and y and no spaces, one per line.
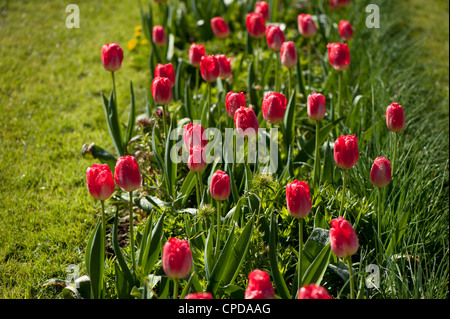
{"x":343,"y":239}
{"x":259,"y":286}
{"x":112,"y":57}
{"x":100,"y":182}
{"x":177,"y":258}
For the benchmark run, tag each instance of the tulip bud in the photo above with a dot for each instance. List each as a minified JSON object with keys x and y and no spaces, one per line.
{"x":165,"y":71}
{"x":162,"y":90}
{"x":395,"y":118}
{"x":177,"y":258}
{"x":259,"y":286}
{"x":288,"y":54}
{"x":339,"y":56}
{"x":380,"y":174}
{"x":220,"y":27}
{"x":100,"y":182}
{"x":306,"y":26}
{"x":196,"y":51}
{"x":256,"y":26}
{"x":159,"y":36}
{"x":298,"y":199}
{"x":262,"y":8}
{"x":316,"y":106}
{"x":220,"y":187}
{"x":343,"y":239}
{"x":127,"y":173}
{"x":199,"y":295}
{"x":246,"y":122}
{"x":224,"y":66}
{"x":274,"y":37}
{"x":209,"y":68}
{"x":196,"y":160}
{"x":112,"y":56}
{"x":233,"y":101}
{"x":313,"y":292}
{"x":346,"y":152}
{"x":193,"y":135}
{"x":345,"y":30}
{"x":273,"y":107}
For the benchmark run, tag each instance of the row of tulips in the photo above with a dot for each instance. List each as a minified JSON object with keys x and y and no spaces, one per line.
{"x":176,"y":253}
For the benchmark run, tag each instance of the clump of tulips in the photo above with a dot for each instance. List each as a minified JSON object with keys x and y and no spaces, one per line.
{"x":204,"y":257}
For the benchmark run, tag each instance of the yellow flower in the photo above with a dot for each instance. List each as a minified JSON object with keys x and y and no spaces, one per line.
{"x":138,"y":28}
{"x":144,"y":42}
{"x":132,"y":44}
{"x":137,"y":34}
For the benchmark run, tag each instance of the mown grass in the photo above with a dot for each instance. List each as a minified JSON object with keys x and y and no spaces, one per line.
{"x":50,"y":102}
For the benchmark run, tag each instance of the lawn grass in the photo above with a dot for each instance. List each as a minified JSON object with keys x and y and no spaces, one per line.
{"x":50,"y":103}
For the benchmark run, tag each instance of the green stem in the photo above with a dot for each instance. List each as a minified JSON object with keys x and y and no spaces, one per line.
{"x":104,"y":245}
{"x":164,"y":122}
{"x":218,"y":228}
{"x":200,"y":185}
{"x":175,"y":288}
{"x":290,"y":82}
{"x":197,"y":189}
{"x":350,"y":275}
{"x":395,"y":153}
{"x":114,"y":86}
{"x":316,"y":159}
{"x":379,"y":225}
{"x":133,"y":260}
{"x":209,"y":102}
{"x":277,"y":71}
{"x":300,"y":249}
{"x":309,"y":65}
{"x":339,"y":94}
{"x":197,"y":71}
{"x":343,"y":191}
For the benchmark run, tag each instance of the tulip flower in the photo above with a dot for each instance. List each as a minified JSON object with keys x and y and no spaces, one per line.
{"x":273,"y":107}
{"x":165,"y":71}
{"x":316,"y":108}
{"x":199,"y":295}
{"x":162,"y":94}
{"x":100,"y":182}
{"x":338,"y":4}
{"x":395,"y":121}
{"x":339,"y":56}
{"x":345,"y":30}
{"x":256,"y":26}
{"x":159,"y":36}
{"x":196,"y":160}
{"x":298,"y":200}
{"x":344,"y":243}
{"x":127,"y":176}
{"x":220,"y":189}
{"x":259,"y":286}
{"x":275,"y":38}
{"x":306,"y":26}
{"x":210,"y":70}
{"x":313,"y":292}
{"x":246,"y":122}
{"x":196,"y":51}
{"x":262,"y":7}
{"x":224,"y":66}
{"x":220,"y":27}
{"x":112,"y":57}
{"x":176,"y":260}
{"x":193,"y":135}
{"x":288,"y":54}
{"x":346,"y":155}
{"x":233,"y":101}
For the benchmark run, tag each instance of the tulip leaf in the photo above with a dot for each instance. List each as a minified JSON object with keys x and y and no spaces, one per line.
{"x":118,"y":252}
{"x":156,"y":152}
{"x":317,"y":268}
{"x":131,"y":117}
{"x":95,"y":261}
{"x":112,"y":122}
{"x":153,"y":246}
{"x":209,"y":252}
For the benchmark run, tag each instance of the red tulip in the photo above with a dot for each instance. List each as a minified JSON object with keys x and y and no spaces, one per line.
{"x":313,"y":292}
{"x":316,"y":106}
{"x":306,"y":26}
{"x":127,"y":173}
{"x":339,"y":56}
{"x":193,"y":135}
{"x":346,"y":152}
{"x":162,"y":90}
{"x":345,"y":30}
{"x":220,"y":187}
{"x":259,"y":286}
{"x":196,"y":51}
{"x":209,"y":68}
{"x":220,"y":27}
{"x":199,"y":295}
{"x":395,"y":118}
{"x":112,"y":56}
{"x":262,"y":8}
{"x":380,"y":174}
{"x":256,"y":26}
{"x":273,"y":107}
{"x":196,"y":160}
{"x":246,"y":122}
{"x":233,"y":101}
{"x":165,"y":71}
{"x":274,"y":37}
{"x":338,"y":4}
{"x":288,"y":54}
{"x":159,"y":36}
{"x":224,"y":66}
{"x":177,"y":258}
{"x":100,"y":182}
{"x":298,"y":199}
{"x":343,"y":239}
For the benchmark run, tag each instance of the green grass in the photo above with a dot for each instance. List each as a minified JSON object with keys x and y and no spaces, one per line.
{"x":50,"y":104}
